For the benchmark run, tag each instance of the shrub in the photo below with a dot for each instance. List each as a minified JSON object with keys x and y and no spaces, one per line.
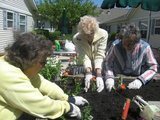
{"x":54,"y":35}
{"x":67,"y":37}
{"x":42,"y":32}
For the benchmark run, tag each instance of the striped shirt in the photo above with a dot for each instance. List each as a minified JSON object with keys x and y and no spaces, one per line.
{"x":140,"y":62}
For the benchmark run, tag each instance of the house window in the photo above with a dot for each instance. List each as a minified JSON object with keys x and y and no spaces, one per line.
{"x":143,"y":26}
{"x":157,"y":26}
{"x":14,"y":20}
{"x":10,"y":20}
{"x":22,"y":23}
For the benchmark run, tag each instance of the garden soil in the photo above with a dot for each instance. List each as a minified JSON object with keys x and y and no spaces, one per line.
{"x":109,"y":105}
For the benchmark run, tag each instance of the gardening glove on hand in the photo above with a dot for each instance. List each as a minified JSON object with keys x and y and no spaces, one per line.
{"x":78,"y":100}
{"x":100,"y":84}
{"x":109,"y":84}
{"x":136,"y":84}
{"x":74,"y":111}
{"x":87,"y":79}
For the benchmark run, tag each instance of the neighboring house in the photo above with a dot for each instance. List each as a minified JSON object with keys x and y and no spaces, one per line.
{"x":107,"y":18}
{"x":140,"y":17}
{"x":15,"y":15}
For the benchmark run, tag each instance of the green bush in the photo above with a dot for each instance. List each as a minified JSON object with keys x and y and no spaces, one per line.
{"x":67,"y":37}
{"x":54,"y":35}
{"x":42,"y":32}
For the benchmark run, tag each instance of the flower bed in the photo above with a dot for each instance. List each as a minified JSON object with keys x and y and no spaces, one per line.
{"x":105,"y":105}
{"x":109,"y":105}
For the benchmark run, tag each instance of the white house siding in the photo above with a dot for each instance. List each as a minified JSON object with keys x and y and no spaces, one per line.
{"x":155,"y":39}
{"x":30,"y":23}
{"x":16,"y":6}
{"x":141,"y":14}
{"x":113,"y":27}
{"x":6,"y":36}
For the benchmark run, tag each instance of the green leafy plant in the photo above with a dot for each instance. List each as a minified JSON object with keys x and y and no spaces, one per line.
{"x":71,"y":86}
{"x":51,"y":69}
{"x":86,"y":113}
{"x":78,"y":60}
{"x":54,"y":35}
{"x":93,"y":86}
{"x":78,"y":88}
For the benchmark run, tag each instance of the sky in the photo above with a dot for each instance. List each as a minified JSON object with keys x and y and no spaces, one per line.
{"x":98,"y":2}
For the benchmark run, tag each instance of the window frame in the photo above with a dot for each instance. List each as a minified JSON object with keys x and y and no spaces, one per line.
{"x":155,"y":26}
{"x":9,"y":20}
{"x":143,"y":29}
{"x":22,"y":23}
{"x":16,"y":20}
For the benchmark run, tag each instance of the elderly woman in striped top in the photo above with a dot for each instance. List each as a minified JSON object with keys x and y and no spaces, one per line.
{"x":130,"y":56}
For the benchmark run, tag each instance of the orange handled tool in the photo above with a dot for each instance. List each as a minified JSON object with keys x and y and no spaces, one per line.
{"x":126,"y":109}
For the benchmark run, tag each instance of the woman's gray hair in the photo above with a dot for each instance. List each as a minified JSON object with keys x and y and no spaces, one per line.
{"x":27,"y":49}
{"x":128,"y":30}
{"x":88,"y":24}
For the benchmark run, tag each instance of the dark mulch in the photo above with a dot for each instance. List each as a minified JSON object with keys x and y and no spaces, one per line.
{"x":109,"y":106}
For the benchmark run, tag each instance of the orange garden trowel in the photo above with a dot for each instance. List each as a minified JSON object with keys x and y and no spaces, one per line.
{"x":119,"y":90}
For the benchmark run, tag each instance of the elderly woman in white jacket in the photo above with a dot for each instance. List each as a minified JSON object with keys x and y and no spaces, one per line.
{"x":91,"y":44}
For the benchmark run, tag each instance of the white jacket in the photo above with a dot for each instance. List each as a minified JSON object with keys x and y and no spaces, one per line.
{"x":93,"y":54}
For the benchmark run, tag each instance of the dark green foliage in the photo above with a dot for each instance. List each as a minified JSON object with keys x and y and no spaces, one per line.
{"x":86,"y":113}
{"x":67,"y":37}
{"x":52,"y":11}
{"x":42,"y":32}
{"x":54,"y":35}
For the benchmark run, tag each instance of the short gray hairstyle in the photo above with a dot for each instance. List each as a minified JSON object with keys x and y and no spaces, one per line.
{"x":27,"y":49}
{"x":130,"y":29}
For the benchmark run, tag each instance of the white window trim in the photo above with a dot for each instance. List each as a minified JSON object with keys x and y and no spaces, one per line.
{"x":25,"y":24}
{"x":7,"y":11}
{"x":156,"y":26}
{"x":19,"y":19}
{"x":15,"y":21}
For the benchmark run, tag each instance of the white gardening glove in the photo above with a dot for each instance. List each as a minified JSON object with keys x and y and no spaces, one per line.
{"x":78,"y":100}
{"x":149,"y":112}
{"x":74,"y":111}
{"x":109,"y":84}
{"x":100,"y":84}
{"x":87,"y":79}
{"x":136,"y":84}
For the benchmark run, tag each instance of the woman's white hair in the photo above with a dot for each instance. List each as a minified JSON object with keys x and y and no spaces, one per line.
{"x":88,"y":24}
